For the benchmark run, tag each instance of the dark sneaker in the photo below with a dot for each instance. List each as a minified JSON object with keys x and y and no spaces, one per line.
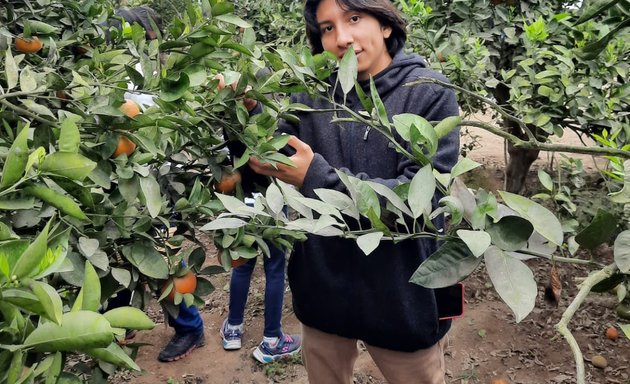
{"x":181,"y":345}
{"x":288,"y":345}
{"x":231,"y":337}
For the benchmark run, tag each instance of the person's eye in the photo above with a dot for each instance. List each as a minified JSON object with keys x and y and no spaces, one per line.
{"x":355,"y":18}
{"x":327,"y":28}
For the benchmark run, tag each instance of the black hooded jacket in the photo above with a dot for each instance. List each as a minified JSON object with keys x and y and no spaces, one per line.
{"x":336,"y":288}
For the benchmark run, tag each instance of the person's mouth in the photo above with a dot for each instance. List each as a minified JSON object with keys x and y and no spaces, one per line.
{"x":356,"y":53}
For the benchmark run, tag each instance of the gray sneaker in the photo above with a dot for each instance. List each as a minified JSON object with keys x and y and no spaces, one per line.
{"x":231,"y":337}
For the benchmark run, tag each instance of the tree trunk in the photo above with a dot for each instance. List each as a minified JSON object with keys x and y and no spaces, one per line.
{"x":520,"y":160}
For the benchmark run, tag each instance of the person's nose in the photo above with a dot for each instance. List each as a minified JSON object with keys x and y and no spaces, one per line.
{"x":344,"y":37}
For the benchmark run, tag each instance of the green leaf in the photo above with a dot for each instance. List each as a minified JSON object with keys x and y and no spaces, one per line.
{"x":274,"y":198}
{"x":450,"y":264}
{"x":130,"y":318}
{"x":27,"y":80}
{"x":510,"y":233}
{"x":113,"y":354}
{"x":545,"y":180}
{"x":623,"y":196}
{"x":88,"y":246}
{"x":78,"y":331}
{"x":52,"y":374}
{"x":39,"y":109}
{"x":65,"y":204}
{"x":454,"y":206}
{"x":410,"y":126}
{"x":152,"y":196}
{"x":16,"y":160}
{"x":196,"y":74}
{"x":32,"y":256}
{"x":11,"y":70}
{"x":369,"y":242}
{"x":71,"y":165}
{"x":223,"y":223}
{"x":49,"y":300}
{"x":445,"y":126}
{"x":513,"y":281}
{"x":148,"y":261}
{"x":233,"y":19}
{"x":594,"y":8}
{"x":543,"y":220}
{"x":90,"y":293}
{"x":599,"y":231}
{"x":477,"y":241}
{"x":122,"y":276}
{"x":339,"y":200}
{"x":348,"y":70}
{"x":173,"y":88}
{"x":421,"y":191}
{"x":41,"y":28}
{"x":622,"y":251}
{"x":367,"y":200}
{"x":69,"y":137}
{"x":366,"y":102}
{"x":391,"y":196}
{"x":463,"y":165}
{"x":381,"y":111}
{"x":135,"y":76}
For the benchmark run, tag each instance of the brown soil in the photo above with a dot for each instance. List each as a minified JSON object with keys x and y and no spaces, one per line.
{"x":485,"y":344}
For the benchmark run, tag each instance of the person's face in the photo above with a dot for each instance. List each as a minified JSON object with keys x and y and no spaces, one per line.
{"x":341,"y":28}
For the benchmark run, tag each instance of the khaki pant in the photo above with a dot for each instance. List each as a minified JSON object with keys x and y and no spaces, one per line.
{"x":329,"y":359}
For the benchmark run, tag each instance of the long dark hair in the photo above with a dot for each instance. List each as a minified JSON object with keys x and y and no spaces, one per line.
{"x":383,"y":10}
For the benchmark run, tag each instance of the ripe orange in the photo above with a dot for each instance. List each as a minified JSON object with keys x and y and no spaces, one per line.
{"x":612,"y":333}
{"x":182,"y":284}
{"x":228,"y":182}
{"x":32,"y":45}
{"x":130,"y":108}
{"x":498,"y":381}
{"x":125,"y":146}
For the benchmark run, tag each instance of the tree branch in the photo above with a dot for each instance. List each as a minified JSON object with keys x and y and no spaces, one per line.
{"x":600,"y":151}
{"x":562,"y":326}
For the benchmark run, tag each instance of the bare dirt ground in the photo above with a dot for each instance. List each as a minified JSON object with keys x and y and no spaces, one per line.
{"x":485,"y":344}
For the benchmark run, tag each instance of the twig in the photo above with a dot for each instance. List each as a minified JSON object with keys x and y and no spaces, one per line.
{"x":27,"y":113}
{"x":486,"y":100}
{"x":562,"y":326}
{"x":599,"y":151}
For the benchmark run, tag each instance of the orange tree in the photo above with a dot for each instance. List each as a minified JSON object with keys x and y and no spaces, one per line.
{"x":95,"y":199}
{"x":119,"y":222}
{"x":555,"y":65}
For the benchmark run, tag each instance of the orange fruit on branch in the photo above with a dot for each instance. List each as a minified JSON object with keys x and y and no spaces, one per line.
{"x":228,"y":182}
{"x":125,"y":146}
{"x":32,"y":45}
{"x":130,"y":108}
{"x":182,"y":284}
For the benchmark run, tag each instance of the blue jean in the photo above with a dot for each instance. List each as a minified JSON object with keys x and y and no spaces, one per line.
{"x":187,"y":321}
{"x":274,"y":291}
